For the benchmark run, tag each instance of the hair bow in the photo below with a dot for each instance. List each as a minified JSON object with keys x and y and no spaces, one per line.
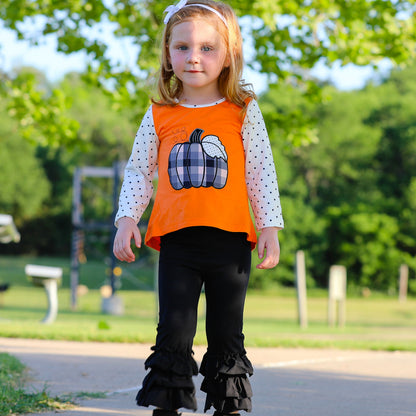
{"x":172,"y":9}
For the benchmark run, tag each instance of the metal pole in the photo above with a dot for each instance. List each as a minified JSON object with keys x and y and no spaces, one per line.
{"x":403,"y":282}
{"x":113,"y":260}
{"x":76,"y":236}
{"x":337,"y":294}
{"x":301,"y":288}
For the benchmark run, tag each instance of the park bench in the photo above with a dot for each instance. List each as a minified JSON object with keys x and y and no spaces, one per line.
{"x":48,"y":278}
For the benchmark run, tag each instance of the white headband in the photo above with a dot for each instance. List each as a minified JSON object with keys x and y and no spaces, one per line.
{"x":172,"y":9}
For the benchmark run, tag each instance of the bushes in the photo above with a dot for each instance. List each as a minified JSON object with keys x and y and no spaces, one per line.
{"x":349,"y":198}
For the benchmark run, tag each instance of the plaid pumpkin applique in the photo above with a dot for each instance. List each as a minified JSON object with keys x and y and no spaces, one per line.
{"x":198,"y":162}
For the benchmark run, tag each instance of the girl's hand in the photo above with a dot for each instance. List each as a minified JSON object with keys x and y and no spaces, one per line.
{"x":127,"y":230}
{"x":269,"y":242}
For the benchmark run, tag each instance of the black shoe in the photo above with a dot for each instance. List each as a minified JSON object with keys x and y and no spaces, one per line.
{"x":217,"y":413}
{"x":163,"y":412}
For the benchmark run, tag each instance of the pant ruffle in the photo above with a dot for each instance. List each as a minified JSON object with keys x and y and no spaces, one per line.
{"x":169,"y":383}
{"x":226,"y":383}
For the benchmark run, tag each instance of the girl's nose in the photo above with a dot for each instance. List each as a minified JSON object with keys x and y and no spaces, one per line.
{"x":192,"y":58}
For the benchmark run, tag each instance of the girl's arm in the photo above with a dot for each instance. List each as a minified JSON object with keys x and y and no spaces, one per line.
{"x":137,"y":188}
{"x":262,"y":185}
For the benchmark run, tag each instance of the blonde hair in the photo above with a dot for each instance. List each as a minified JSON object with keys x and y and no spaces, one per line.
{"x":230,"y":84}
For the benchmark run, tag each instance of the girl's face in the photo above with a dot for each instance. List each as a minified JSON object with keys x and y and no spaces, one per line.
{"x":197,"y":54}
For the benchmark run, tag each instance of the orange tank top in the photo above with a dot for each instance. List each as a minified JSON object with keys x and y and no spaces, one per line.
{"x":201,"y":168}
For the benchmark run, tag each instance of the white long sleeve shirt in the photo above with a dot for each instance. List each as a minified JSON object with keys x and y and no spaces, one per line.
{"x":260,"y":173}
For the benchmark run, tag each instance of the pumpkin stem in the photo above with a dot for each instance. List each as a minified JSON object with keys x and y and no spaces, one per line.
{"x":196,"y":136}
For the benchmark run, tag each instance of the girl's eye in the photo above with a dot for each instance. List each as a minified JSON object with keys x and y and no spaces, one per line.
{"x":182,"y":48}
{"x":206,"y":48}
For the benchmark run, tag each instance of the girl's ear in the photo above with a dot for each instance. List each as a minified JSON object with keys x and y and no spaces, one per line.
{"x":227,"y":61}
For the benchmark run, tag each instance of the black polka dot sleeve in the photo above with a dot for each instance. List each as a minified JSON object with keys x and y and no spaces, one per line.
{"x":261,"y":177}
{"x":137,"y":187}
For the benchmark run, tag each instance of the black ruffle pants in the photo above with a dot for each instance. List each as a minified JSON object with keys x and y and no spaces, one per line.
{"x":220,"y":261}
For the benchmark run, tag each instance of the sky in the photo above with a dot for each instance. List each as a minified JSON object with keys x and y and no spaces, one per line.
{"x":16,"y":53}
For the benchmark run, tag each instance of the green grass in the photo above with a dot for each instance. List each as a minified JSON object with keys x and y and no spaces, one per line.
{"x":14,"y":399}
{"x":378,"y":322}
{"x":93,"y":273}
{"x":270,"y":320}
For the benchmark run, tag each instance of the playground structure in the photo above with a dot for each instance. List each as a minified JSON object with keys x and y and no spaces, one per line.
{"x":80,"y":225}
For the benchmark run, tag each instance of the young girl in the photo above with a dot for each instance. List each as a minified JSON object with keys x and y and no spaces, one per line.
{"x":206,"y":136}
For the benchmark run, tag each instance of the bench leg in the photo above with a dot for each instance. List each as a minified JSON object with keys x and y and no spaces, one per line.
{"x":51,"y":289}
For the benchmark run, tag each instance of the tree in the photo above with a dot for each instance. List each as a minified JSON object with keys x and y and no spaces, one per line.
{"x":289,"y":38}
{"x":37,"y":178}
{"x":107,"y":133}
{"x":40,"y":109}
{"x":24,"y":186}
{"x":350,"y":198}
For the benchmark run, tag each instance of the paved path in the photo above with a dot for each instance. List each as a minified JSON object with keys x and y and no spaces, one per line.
{"x":287,"y":382}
